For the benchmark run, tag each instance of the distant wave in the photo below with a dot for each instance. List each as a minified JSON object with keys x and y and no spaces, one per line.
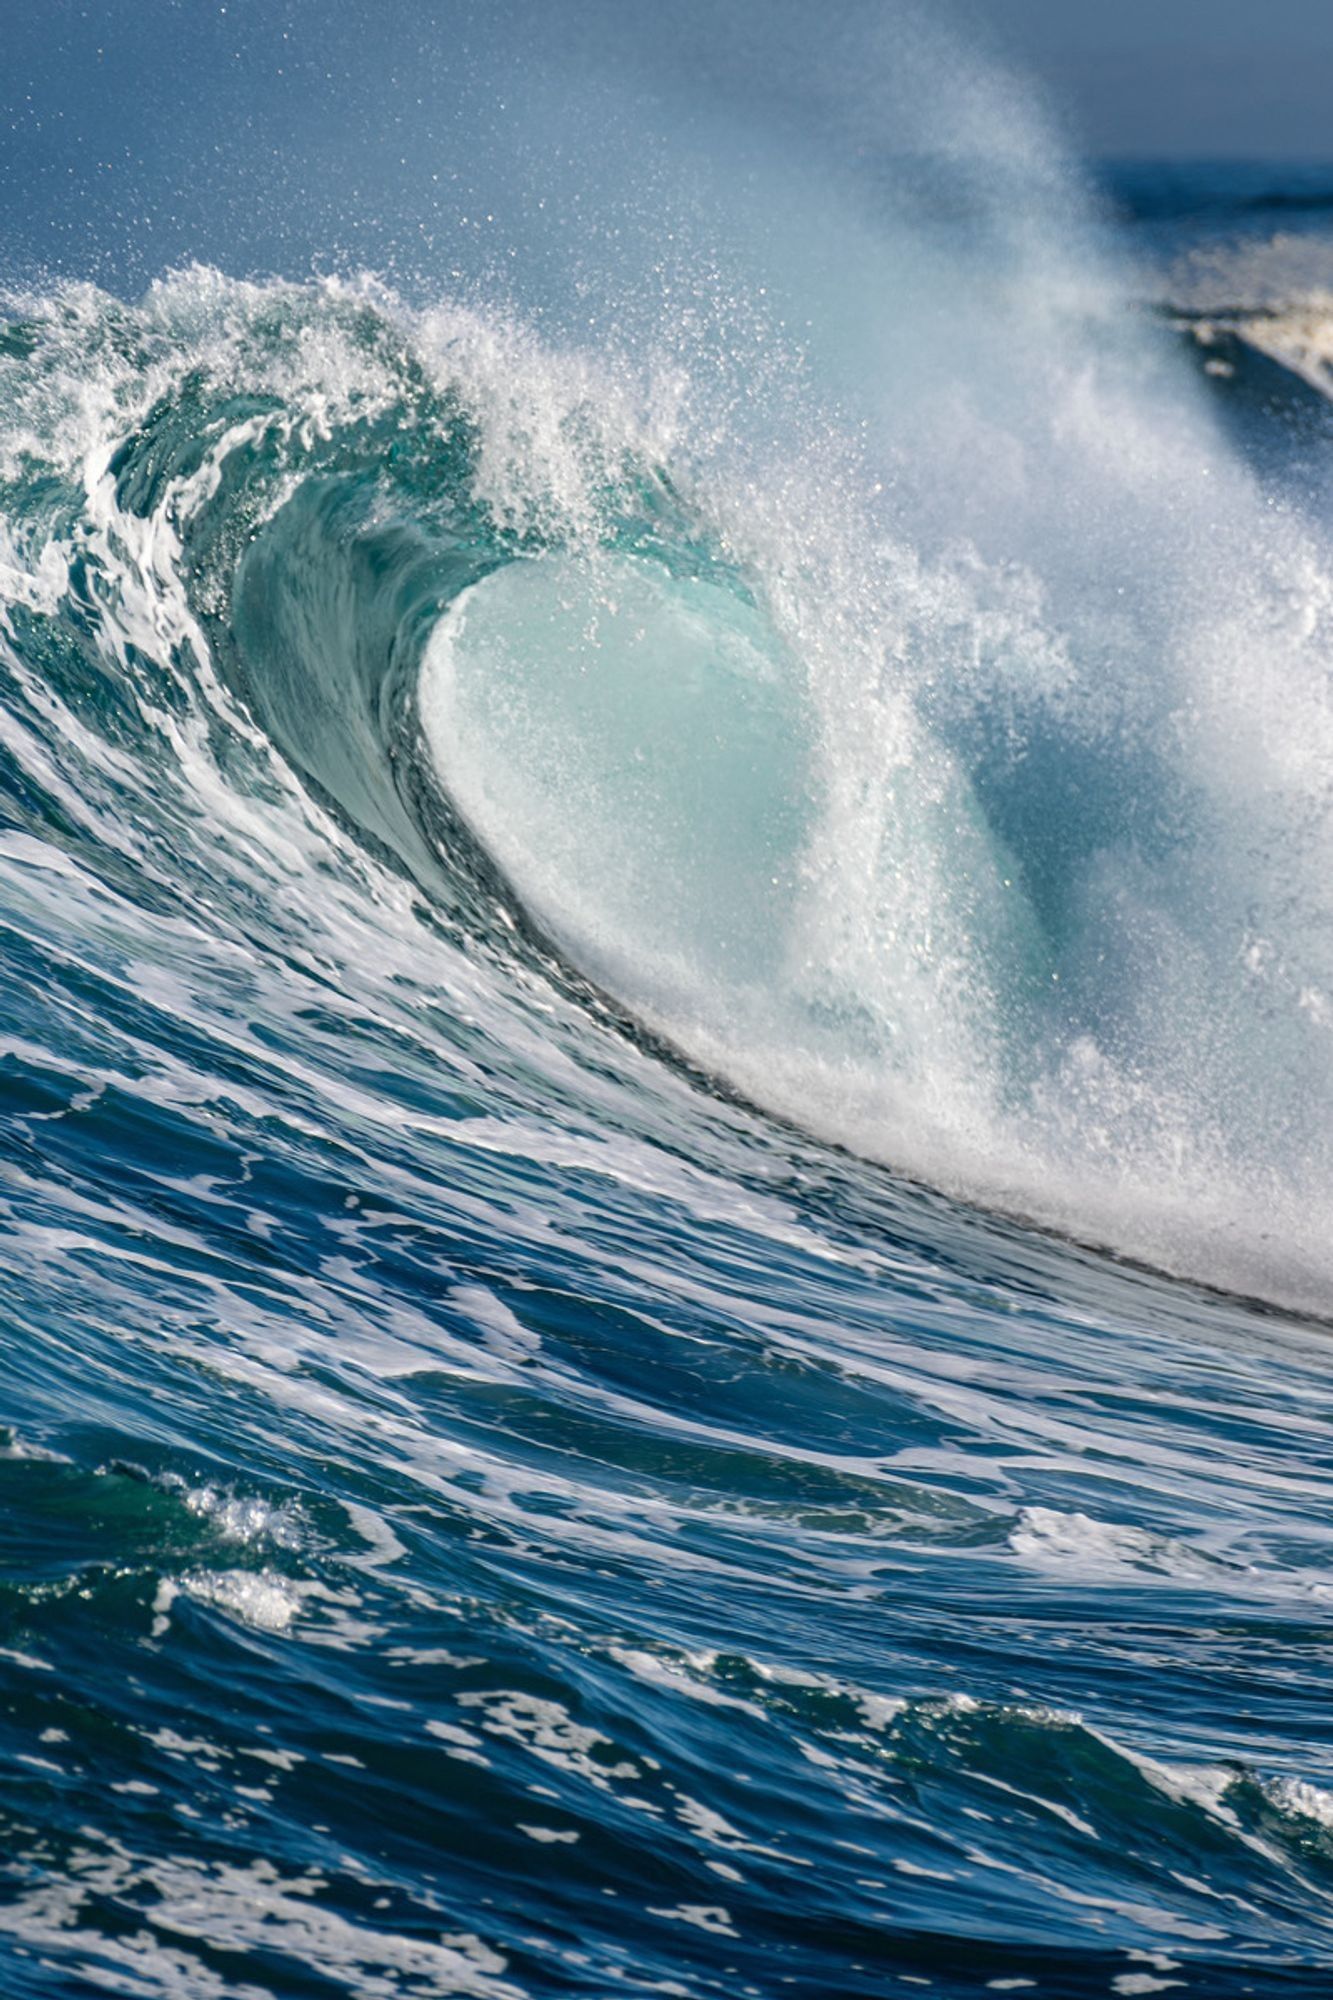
{"x":1202,"y":191}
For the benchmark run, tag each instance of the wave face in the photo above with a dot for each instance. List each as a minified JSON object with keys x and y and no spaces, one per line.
{"x":605,"y":919}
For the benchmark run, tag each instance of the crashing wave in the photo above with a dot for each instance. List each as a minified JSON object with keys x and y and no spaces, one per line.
{"x":1012,"y":878}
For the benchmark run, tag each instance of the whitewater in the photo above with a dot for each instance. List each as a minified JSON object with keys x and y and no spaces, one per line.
{"x":665,"y":1032}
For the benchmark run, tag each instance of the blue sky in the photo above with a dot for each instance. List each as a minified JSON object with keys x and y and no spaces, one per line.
{"x":266,"y":133}
{"x":1181,"y":78}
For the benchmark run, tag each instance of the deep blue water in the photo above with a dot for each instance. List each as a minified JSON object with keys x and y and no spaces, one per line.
{"x":665,"y":1157}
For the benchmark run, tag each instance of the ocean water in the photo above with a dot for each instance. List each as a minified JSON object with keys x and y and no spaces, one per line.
{"x":666,"y":1153}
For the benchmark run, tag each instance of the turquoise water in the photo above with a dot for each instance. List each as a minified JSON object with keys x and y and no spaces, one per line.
{"x":665,"y":1169}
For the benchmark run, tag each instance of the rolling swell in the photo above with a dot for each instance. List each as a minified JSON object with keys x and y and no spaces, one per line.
{"x":488,"y":1513}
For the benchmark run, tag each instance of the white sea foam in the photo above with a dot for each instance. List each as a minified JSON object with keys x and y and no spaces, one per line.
{"x":245,"y":1517}
{"x":262,"y":1599}
{"x":1303,"y":1800}
{"x":191,"y":1905}
{"x":1103,"y":1550}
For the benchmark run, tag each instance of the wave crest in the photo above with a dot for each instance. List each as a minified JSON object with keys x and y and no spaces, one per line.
{"x":1022,"y":894}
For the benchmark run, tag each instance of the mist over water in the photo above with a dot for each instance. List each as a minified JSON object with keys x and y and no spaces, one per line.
{"x":665,"y":877}
{"x":1042,"y":874}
